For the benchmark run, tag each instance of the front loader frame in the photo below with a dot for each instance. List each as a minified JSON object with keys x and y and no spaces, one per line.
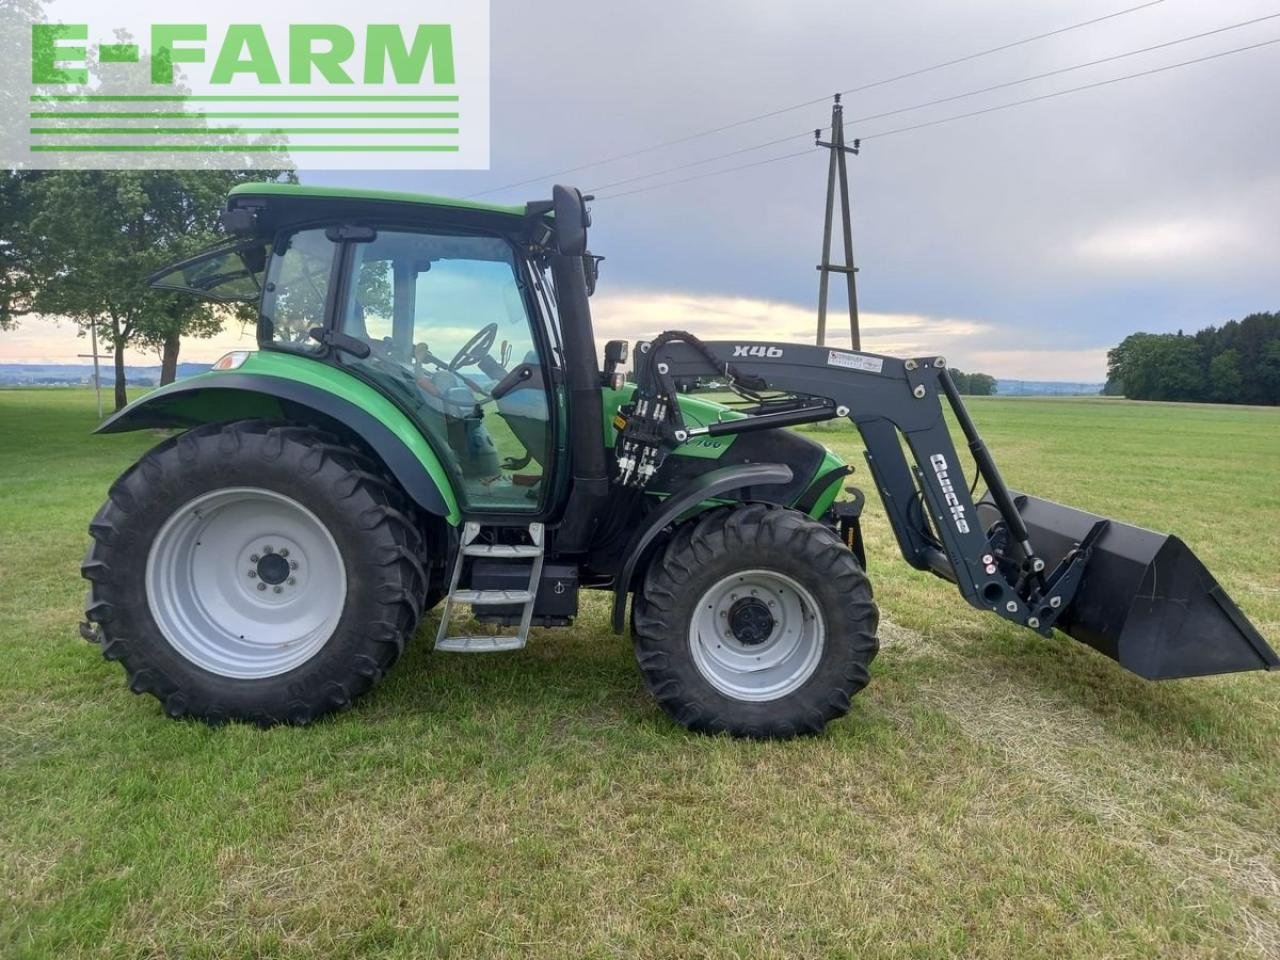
{"x":886,"y":398}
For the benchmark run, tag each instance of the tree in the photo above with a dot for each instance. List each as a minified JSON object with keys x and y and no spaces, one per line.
{"x":982,"y":385}
{"x":1238,"y":362}
{"x":973,"y":384}
{"x":1225,"y":382}
{"x":96,"y":233}
{"x":18,"y":280}
{"x":77,"y":243}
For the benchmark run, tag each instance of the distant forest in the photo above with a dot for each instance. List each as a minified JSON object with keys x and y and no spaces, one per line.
{"x":974,"y":384}
{"x":1238,"y":362}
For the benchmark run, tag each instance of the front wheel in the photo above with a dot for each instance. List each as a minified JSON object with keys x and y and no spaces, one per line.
{"x":756,"y":621}
{"x":254,"y":571}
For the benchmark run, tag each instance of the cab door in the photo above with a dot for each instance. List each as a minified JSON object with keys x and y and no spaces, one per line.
{"x":453,"y":339}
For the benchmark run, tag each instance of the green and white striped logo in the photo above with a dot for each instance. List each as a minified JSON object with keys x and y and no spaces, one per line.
{"x":320,"y":85}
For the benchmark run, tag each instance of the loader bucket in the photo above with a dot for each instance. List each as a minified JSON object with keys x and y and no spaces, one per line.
{"x":1145,"y":600}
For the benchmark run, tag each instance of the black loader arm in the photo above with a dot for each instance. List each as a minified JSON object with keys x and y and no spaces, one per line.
{"x":1149,"y":604}
{"x":886,"y":398}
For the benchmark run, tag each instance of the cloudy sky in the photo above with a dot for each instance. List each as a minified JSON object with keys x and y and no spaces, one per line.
{"x":1024,"y":242}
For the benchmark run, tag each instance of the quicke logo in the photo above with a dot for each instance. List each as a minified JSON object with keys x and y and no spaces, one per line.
{"x":940,"y":468}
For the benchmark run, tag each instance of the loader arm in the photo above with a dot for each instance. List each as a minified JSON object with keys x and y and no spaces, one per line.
{"x":989,"y":554}
{"x":886,"y":398}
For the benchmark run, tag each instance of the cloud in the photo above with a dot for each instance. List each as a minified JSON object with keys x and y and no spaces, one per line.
{"x":1190,"y":241}
{"x":638,"y":315}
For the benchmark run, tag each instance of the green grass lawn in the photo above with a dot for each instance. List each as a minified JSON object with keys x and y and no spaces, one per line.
{"x":992,"y":794}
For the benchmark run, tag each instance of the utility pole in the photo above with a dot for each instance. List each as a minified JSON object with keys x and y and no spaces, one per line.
{"x":837,"y":169}
{"x":97,"y":380}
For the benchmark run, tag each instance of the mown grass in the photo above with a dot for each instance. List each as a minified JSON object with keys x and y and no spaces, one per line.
{"x":992,"y":794}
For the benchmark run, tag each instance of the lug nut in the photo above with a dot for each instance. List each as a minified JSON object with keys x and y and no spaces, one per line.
{"x":1033,"y":623}
{"x":1037,"y":564}
{"x":293,"y":564}
{"x":988,"y":558}
{"x":277,"y":588}
{"x":1055,"y":602}
{"x":918,"y":392}
{"x":254,"y":558}
{"x":253,"y":574}
{"x":284,"y":551}
{"x":293,"y":581}
{"x":909,"y":364}
{"x":268,"y":549}
{"x":262,"y":586}
{"x":1011,"y":606}
{"x":990,"y":568}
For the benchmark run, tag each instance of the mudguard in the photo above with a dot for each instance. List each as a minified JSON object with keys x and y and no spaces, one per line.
{"x":705,"y":487}
{"x":270,"y":385}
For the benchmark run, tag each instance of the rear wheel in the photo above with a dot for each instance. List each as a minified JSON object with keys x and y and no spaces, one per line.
{"x":254,"y":571}
{"x":756,"y":621}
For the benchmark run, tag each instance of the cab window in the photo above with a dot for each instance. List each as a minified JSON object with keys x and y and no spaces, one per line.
{"x":451,"y":338}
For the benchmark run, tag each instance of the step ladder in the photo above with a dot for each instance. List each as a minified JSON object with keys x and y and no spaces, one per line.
{"x":501,"y":551}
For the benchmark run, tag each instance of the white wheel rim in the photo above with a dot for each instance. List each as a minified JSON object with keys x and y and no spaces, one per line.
{"x":245,"y":582}
{"x":770,"y":666}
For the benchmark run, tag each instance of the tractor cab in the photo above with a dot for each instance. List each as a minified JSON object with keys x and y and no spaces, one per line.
{"x":446,"y":312}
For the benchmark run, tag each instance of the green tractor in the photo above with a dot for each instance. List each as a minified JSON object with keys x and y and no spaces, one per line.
{"x":427,"y":421}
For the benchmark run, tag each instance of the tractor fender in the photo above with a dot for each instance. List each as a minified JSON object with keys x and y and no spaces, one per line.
{"x":708,"y":485}
{"x":210,"y":398}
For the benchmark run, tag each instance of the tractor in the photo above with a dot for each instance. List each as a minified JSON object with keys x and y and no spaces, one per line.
{"x":427,"y":422}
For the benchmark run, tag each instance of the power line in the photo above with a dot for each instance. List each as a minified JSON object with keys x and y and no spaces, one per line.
{"x":940,"y":100}
{"x":701,"y":176}
{"x":960,"y":116}
{"x":808,"y":103}
{"x":1060,"y":93}
{"x":1062,"y":70}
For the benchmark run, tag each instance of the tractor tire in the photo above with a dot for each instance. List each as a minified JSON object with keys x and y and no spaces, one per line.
{"x":756,"y":621}
{"x":254,"y":571}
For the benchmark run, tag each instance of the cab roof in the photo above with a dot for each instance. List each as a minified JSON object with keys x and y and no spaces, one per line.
{"x":280,"y":204}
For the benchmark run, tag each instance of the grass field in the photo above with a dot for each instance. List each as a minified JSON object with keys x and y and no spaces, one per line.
{"x":992,"y":794}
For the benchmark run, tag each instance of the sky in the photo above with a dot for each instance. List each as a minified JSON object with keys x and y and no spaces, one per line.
{"x":1024,"y":242}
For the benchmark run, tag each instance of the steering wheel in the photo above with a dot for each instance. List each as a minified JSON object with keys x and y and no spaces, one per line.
{"x":475,"y":349}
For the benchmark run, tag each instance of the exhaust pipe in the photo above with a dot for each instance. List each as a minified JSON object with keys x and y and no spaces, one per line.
{"x":1145,"y":599}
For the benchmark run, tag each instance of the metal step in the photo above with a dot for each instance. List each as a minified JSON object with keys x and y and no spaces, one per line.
{"x":492,"y":596}
{"x":493,"y":644}
{"x":516,"y":552}
{"x":501,"y":550}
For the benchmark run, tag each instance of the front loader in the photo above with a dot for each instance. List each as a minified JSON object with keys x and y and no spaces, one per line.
{"x":426,"y":422}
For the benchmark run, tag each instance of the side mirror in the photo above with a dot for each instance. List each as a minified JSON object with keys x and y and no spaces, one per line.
{"x":591,"y":269}
{"x":571,"y":220}
{"x":615,"y":356}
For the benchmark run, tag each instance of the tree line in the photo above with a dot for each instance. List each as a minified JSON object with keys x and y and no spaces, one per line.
{"x":974,"y":384}
{"x":1238,"y":362}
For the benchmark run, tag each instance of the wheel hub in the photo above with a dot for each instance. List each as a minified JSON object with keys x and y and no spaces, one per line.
{"x":273,"y":569}
{"x":750,"y":621}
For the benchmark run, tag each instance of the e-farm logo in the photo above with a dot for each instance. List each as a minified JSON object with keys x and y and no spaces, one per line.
{"x":321,"y":84}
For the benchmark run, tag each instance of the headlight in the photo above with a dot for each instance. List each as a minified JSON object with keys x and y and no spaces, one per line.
{"x":232,"y":360}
